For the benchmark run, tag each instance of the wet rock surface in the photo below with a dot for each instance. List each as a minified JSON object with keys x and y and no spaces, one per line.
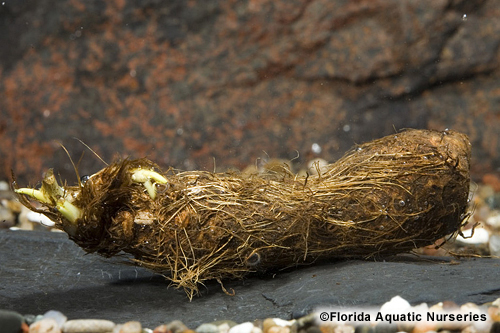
{"x":186,"y":82}
{"x":42,"y":271}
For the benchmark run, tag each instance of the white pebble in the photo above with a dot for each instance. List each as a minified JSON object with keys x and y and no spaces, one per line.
{"x":421,"y":308}
{"x":207,"y":328}
{"x":88,"y":326}
{"x":129,"y":327}
{"x":247,"y":327}
{"x":283,"y":323}
{"x":494,"y":245}
{"x":46,"y":325}
{"x":57,"y":316}
{"x":397,"y":304}
{"x":494,"y":221}
{"x":481,"y":236}
{"x":4,"y":186}
{"x":224,"y":328}
{"x":256,"y":330}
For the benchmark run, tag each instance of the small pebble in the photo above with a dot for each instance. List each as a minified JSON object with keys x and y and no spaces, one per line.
{"x":4,"y":186}
{"x":397,"y":304}
{"x":30,"y":318}
{"x":129,"y":327}
{"x":161,"y":329}
{"x":341,"y":328}
{"x":494,"y":313}
{"x":176,"y":326}
{"x":470,"y":307}
{"x":57,"y":316}
{"x":493,"y":201}
{"x":279,"y":329}
{"x":267,"y":324}
{"x":7,"y":219}
{"x":207,"y":328}
{"x":494,"y":245}
{"x":242,"y":328}
{"x":494,"y":221}
{"x":10,"y":321}
{"x":224,"y":328}
{"x":88,"y":326}
{"x":438,"y":307}
{"x":224,"y":325}
{"x":46,"y":325}
{"x":425,"y":326}
{"x":247,"y":327}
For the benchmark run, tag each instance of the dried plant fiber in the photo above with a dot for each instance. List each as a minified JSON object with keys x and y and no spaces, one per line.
{"x":383,"y":197}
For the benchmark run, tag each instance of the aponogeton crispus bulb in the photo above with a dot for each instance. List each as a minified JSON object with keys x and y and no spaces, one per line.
{"x":383,"y":197}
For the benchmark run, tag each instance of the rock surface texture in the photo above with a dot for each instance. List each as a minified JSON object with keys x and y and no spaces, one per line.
{"x":187,"y":82}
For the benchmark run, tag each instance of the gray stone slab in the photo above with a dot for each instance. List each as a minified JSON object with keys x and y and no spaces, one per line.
{"x":40,"y":271}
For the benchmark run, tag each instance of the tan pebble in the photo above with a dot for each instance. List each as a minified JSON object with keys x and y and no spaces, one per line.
{"x":494,"y":312}
{"x":46,"y":325}
{"x":7,"y":218}
{"x":276,"y":322}
{"x":344,"y":329}
{"x":327,"y":328}
{"x":279,"y":329}
{"x":88,"y":326}
{"x":176,"y":326}
{"x":267,"y":324}
{"x":131,"y":327}
{"x":469,"y":329}
{"x":24,"y":223}
{"x":438,"y":307}
{"x":425,"y":326}
{"x":450,"y":306}
{"x":162,"y":329}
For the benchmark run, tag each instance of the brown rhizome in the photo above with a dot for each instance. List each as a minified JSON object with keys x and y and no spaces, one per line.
{"x":384,"y":197}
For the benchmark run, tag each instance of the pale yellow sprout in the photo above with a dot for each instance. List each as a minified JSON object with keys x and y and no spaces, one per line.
{"x":144,"y":176}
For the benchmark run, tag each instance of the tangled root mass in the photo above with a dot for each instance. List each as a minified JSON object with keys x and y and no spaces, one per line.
{"x":384,"y":197}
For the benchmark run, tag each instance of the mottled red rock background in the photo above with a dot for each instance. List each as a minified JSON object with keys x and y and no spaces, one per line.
{"x":187,"y":82}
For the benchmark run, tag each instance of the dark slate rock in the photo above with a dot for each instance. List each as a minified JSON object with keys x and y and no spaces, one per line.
{"x":42,"y":271}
